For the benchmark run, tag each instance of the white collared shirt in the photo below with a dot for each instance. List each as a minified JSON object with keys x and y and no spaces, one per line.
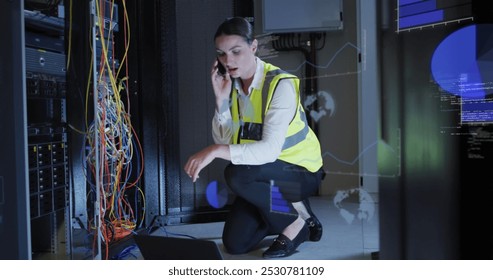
{"x":281,"y":111}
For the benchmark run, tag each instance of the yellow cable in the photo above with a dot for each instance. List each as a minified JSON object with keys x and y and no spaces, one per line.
{"x":127,"y":46}
{"x":121,"y":116}
{"x":69,"y":35}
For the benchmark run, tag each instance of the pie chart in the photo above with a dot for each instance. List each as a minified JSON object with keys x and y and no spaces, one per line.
{"x":462,"y":64}
{"x":217,"y":194}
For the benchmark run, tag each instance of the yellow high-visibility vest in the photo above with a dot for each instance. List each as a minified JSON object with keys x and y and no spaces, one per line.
{"x":301,"y":146}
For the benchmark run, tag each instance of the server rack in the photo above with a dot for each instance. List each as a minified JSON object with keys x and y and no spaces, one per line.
{"x":47,"y":149}
{"x":15,"y":240}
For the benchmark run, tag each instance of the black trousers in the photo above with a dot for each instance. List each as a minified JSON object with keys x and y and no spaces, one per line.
{"x":260,"y":189}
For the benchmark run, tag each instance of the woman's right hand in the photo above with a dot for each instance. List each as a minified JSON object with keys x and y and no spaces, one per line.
{"x":221,"y":84}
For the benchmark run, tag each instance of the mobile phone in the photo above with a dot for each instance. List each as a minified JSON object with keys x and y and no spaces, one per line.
{"x":220,"y":68}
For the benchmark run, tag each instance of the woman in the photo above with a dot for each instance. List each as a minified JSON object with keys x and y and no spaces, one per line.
{"x":260,"y":126}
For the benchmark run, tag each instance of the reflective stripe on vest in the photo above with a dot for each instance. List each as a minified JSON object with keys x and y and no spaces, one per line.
{"x":298,"y":136}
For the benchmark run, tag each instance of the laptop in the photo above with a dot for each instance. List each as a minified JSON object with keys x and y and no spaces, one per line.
{"x":153,"y":247}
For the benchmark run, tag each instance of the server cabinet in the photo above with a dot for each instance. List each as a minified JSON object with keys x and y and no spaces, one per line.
{"x":14,"y":213}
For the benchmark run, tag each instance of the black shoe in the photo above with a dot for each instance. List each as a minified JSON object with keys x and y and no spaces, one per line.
{"x":314,"y":225}
{"x":315,"y":228}
{"x":284,"y":247}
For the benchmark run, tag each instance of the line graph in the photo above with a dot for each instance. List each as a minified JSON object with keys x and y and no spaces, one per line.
{"x":265,"y":52}
{"x":391,"y":155}
{"x":330,"y":61}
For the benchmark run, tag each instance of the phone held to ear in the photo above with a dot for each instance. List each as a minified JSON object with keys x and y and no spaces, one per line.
{"x":220,"y":68}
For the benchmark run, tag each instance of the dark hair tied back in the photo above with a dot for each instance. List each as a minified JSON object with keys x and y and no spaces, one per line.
{"x":236,"y":26}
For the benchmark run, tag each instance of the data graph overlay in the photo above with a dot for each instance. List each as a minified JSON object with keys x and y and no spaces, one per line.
{"x":413,"y":14}
{"x":462,"y":65}
{"x":389,"y":155}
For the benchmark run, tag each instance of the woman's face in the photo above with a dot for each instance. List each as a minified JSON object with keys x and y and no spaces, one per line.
{"x":237,"y":55}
